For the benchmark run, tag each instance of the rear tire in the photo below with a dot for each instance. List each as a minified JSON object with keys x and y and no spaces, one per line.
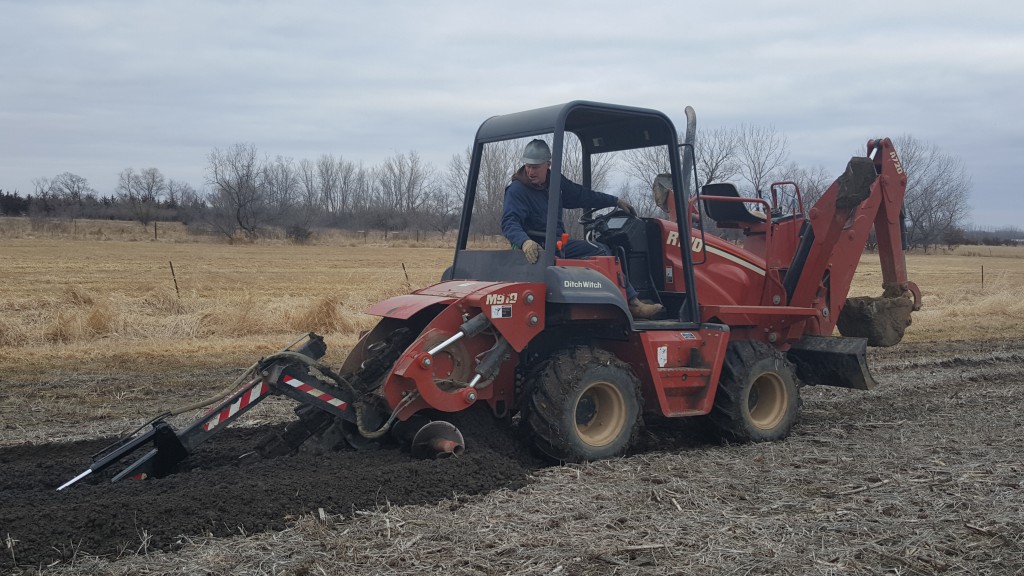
{"x":585,"y":405}
{"x":757,"y":398}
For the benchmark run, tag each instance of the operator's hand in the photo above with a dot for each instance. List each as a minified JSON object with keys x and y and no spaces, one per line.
{"x":623,"y":205}
{"x":532,"y":251}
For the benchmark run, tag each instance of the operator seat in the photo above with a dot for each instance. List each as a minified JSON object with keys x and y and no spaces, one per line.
{"x":731,"y":212}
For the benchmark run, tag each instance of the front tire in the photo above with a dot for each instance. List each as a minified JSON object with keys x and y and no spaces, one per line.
{"x":757,"y":398}
{"x":585,"y":405}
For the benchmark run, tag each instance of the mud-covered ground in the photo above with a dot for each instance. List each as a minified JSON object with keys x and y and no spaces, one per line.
{"x":924,"y":475}
{"x":223,"y":489}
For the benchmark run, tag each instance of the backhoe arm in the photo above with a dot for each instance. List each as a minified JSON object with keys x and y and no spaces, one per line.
{"x":869,"y":194}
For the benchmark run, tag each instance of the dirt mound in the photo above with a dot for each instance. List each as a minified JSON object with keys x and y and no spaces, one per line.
{"x":882,"y":321}
{"x":220,"y":493}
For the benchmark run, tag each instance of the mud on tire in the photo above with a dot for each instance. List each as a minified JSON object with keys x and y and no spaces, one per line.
{"x":757,"y":398}
{"x":584,"y":405}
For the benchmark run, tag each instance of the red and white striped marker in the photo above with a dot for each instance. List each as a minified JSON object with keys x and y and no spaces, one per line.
{"x":314,"y":392}
{"x":235,"y":406}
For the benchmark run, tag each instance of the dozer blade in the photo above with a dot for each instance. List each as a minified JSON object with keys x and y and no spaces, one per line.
{"x":880,"y":320}
{"x":832,"y":361}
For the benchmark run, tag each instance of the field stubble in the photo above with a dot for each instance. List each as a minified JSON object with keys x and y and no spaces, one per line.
{"x":918,"y":477}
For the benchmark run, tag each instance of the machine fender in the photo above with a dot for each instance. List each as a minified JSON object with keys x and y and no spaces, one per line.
{"x":579,"y":285}
{"x":405,"y":306}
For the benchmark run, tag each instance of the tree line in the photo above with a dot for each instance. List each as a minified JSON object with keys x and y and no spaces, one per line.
{"x":247,"y":194}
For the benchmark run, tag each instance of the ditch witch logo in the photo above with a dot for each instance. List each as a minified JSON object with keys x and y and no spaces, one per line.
{"x":580,"y":284}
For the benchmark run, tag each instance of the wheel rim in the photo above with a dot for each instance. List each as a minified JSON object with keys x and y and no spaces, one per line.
{"x":600,"y":414}
{"x":768,"y":401}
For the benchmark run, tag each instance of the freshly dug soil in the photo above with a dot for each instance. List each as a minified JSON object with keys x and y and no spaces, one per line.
{"x":217,"y":493}
{"x":922,"y":475}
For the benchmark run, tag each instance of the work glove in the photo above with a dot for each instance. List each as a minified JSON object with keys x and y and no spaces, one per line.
{"x":623,"y":205}
{"x":532,"y":251}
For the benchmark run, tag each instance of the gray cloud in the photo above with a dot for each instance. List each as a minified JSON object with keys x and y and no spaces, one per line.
{"x":97,"y":87}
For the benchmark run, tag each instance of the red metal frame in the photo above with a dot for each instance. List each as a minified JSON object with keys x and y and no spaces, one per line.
{"x":741,"y":291}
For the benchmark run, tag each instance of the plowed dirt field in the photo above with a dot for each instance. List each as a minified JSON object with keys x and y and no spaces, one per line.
{"x":923,"y":475}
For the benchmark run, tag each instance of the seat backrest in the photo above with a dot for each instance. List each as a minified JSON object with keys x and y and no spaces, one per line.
{"x":726,"y":211}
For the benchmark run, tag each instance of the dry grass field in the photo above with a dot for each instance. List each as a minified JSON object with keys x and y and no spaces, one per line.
{"x":102,"y":296}
{"x":114,"y":303}
{"x":922,"y":476}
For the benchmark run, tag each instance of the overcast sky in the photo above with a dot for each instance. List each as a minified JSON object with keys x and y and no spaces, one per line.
{"x":96,"y":87}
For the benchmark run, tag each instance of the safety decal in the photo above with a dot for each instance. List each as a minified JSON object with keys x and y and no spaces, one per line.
{"x":689,"y":336}
{"x":662,"y":356}
{"x":243,"y":401}
{"x":314,"y":392}
{"x":501,"y":311}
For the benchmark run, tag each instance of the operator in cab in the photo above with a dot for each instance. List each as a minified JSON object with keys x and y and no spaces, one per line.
{"x":524,"y":218}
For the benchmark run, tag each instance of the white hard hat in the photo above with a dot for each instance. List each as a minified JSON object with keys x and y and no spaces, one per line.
{"x":536,"y":152}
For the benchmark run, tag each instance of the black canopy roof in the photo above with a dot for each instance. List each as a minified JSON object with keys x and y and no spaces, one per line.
{"x":600,"y":127}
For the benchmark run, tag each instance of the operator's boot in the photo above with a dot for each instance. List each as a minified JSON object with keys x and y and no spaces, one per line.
{"x":644,"y":311}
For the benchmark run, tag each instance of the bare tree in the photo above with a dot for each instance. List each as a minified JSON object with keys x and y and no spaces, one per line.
{"x":142,"y":192}
{"x":309,"y":197}
{"x":453,"y":187}
{"x":237,"y":200}
{"x":64,"y":195}
{"x":281,"y":185}
{"x":360,"y":189}
{"x":43,"y":200}
{"x":70,"y":188}
{"x":762,"y":151}
{"x":350,"y":177}
{"x":717,"y":153}
{"x":404,"y":182}
{"x":938,"y":190}
{"x":716,"y":161}
{"x":328,"y":182}
{"x":572,"y":164}
{"x":813,"y":182}
{"x":185,"y":200}
{"x":639,"y":195}
{"x":445,"y":201}
{"x":498,"y":163}
{"x":715,"y":150}
{"x":179,"y":193}
{"x":337,"y":182}
{"x":642,"y":166}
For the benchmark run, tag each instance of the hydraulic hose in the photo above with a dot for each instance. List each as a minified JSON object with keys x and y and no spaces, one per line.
{"x":223,"y":393}
{"x":346,"y":386}
{"x":286,"y":354}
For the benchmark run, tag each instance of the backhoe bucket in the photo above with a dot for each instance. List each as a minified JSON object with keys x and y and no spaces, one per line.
{"x":832,"y":361}
{"x":880,"y":320}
